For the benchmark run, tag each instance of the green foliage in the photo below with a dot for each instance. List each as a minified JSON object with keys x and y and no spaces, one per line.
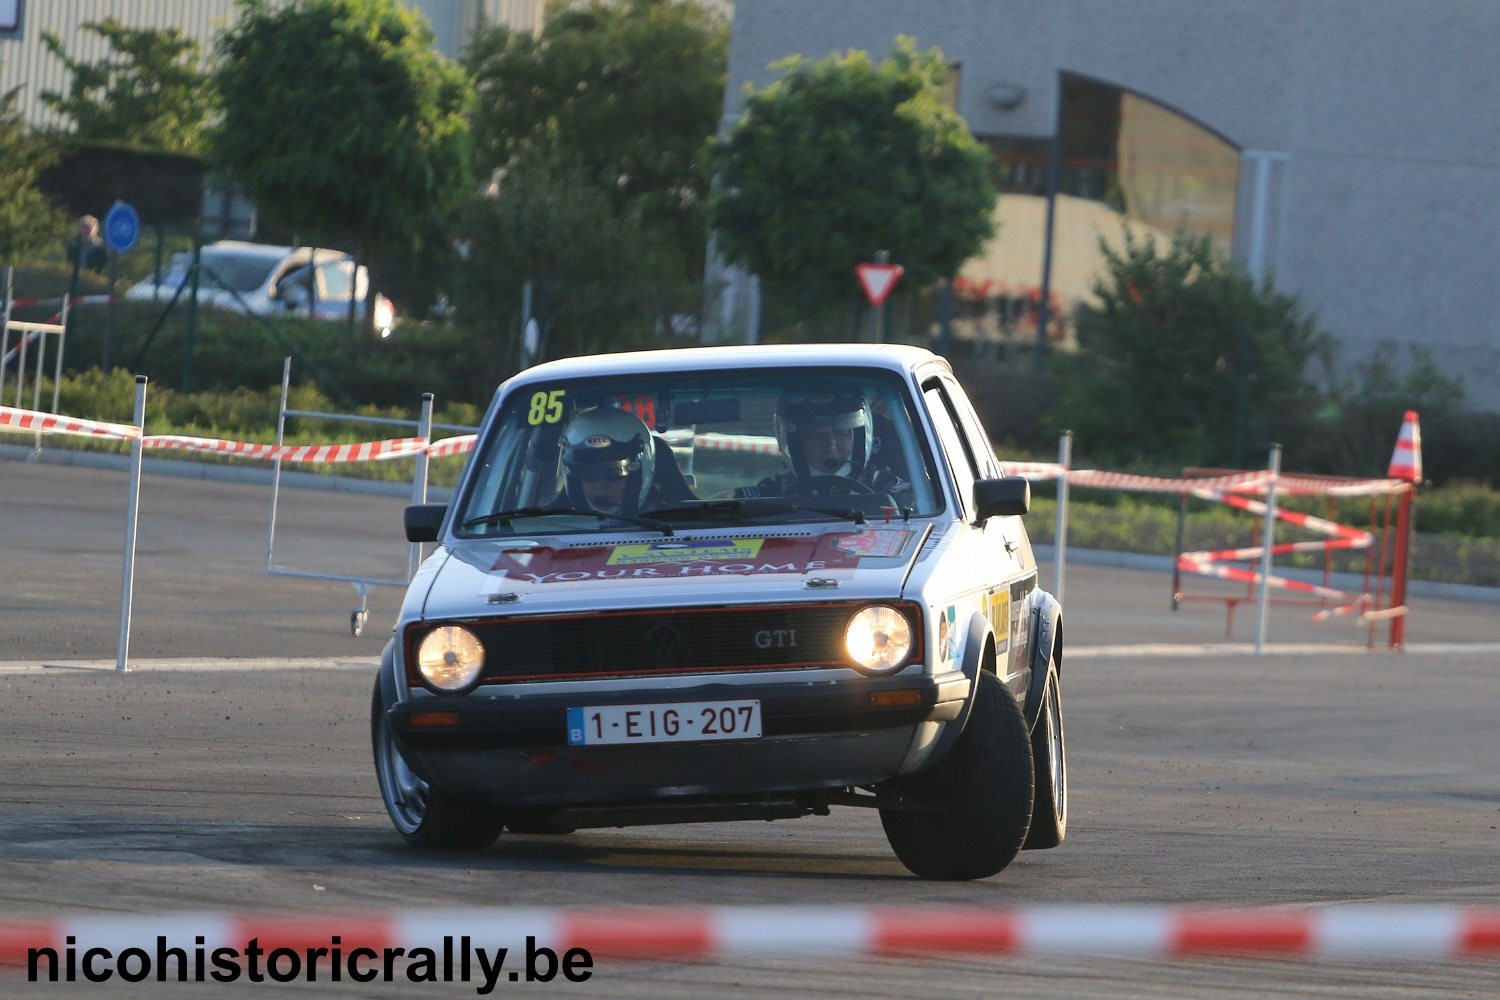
{"x":1460,"y":508}
{"x":1362,"y":410}
{"x":250,"y":416}
{"x":602,"y":280}
{"x":843,"y":158}
{"x":593,"y":132}
{"x":627,"y":94}
{"x":150,"y":90}
{"x":341,"y":120}
{"x":1179,"y":345}
{"x":27,"y":219}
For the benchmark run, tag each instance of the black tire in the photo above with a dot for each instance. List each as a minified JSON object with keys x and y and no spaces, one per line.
{"x":423,"y":815}
{"x":1049,"y":751}
{"x":983,"y":791}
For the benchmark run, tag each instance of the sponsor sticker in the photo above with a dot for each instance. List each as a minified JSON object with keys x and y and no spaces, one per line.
{"x":874,"y":542}
{"x":659,"y":553}
{"x":999,"y":614}
{"x":672,"y":559}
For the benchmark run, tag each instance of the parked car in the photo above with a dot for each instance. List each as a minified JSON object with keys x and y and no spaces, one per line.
{"x":266,"y":280}
{"x":722,"y":584}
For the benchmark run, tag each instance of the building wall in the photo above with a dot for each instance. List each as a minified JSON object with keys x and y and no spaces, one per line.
{"x":1378,"y":116}
{"x":26,"y":63}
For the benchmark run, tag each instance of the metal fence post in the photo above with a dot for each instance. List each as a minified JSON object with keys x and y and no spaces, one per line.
{"x":132,"y":510}
{"x":419,"y":481}
{"x":1060,"y":543}
{"x":1268,"y":537}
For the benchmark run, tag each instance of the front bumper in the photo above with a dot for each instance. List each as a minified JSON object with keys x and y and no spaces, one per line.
{"x":511,"y":747}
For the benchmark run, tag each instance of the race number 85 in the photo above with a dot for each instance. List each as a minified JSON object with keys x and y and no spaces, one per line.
{"x":546,"y":407}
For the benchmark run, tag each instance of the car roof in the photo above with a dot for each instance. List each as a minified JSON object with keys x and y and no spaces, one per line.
{"x":893,"y":357}
{"x":270,"y":251}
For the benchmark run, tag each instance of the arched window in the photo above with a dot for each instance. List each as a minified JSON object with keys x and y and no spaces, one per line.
{"x":1118,"y":159}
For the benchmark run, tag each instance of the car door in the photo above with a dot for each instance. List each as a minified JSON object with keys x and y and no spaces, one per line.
{"x":1013,"y":534}
{"x":989,"y":548}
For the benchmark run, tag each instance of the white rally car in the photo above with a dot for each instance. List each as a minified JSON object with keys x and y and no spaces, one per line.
{"x":729,"y":583}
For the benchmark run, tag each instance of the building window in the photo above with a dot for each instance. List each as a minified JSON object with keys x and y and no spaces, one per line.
{"x":1123,"y":160}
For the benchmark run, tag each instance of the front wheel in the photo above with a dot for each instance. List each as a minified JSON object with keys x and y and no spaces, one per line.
{"x":975,"y":803}
{"x":423,"y":815}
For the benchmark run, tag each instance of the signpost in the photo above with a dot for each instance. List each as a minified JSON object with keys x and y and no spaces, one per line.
{"x":878,"y":279}
{"x":122,"y":228}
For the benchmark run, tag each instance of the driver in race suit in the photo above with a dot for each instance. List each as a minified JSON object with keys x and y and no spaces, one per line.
{"x":827,"y":433}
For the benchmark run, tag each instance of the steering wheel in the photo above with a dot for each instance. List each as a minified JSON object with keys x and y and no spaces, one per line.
{"x":829,"y":486}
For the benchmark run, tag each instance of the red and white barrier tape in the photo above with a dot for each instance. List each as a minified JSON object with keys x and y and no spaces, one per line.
{"x":1341,"y":536}
{"x":1381,"y":933}
{"x":459,"y":445}
{"x":1192,"y":562}
{"x":1032,"y":470}
{"x":365,"y":451}
{"x":78,"y":300}
{"x":1239,"y":482}
{"x":49,"y":423}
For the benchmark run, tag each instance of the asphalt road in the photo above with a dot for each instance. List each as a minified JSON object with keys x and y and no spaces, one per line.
{"x":1198,"y":776}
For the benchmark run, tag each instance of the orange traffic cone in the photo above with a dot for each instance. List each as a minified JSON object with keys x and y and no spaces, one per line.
{"x":1406,"y":460}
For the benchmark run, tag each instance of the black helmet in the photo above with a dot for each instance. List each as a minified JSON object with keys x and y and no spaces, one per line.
{"x":605,"y":443}
{"x":823,"y":409}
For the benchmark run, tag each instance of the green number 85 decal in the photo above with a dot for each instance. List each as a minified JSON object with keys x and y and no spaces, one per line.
{"x":546,"y":407}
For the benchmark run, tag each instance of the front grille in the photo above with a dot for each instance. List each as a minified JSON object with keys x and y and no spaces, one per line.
{"x":657,"y":642}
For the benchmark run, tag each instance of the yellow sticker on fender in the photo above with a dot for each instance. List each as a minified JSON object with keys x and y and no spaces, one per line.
{"x":1000,"y":618}
{"x":656,"y":553}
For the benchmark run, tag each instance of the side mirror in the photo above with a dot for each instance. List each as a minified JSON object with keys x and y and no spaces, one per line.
{"x":423,"y":521}
{"x":1008,"y":497}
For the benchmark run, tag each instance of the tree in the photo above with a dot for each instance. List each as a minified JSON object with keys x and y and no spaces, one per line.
{"x":1183,"y":358}
{"x":594,"y":134}
{"x":27,"y":218}
{"x":341,"y":120}
{"x":626,"y":95}
{"x":601,"y":279}
{"x":152,"y":91}
{"x":843,"y":158}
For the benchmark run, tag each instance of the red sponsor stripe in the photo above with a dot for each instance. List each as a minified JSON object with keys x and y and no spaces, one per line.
{"x":1480,"y":934}
{"x":1248,"y":932}
{"x":647,"y":934}
{"x":17,"y":940}
{"x":940,"y":930}
{"x":301,"y":932}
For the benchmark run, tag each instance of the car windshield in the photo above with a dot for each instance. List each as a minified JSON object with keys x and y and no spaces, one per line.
{"x":689,"y":449}
{"x":235,"y":271}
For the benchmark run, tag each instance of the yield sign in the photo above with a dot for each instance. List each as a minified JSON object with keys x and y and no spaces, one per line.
{"x":878,"y":280}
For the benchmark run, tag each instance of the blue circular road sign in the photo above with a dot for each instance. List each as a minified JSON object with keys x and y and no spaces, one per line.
{"x":122,"y":227}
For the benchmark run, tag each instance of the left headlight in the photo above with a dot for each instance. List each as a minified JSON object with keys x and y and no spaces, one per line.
{"x":450,"y":657}
{"x":879,"y":639}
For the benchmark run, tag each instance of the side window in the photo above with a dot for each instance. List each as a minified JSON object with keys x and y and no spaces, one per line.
{"x":960,"y":459}
{"x":983,"y":450}
{"x":335,"y":279}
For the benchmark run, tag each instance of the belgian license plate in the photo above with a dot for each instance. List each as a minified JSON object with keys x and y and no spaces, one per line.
{"x":685,"y":722}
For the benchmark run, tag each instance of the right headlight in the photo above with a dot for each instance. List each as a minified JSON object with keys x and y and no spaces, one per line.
{"x":879,"y":639}
{"x":450,"y":657}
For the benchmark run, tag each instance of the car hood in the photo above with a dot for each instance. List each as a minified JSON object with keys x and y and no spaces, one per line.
{"x":556,"y":574}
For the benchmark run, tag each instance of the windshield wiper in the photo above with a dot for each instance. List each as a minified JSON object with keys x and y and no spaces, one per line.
{"x":746,"y":507}
{"x":505,"y":517}
{"x":753,"y":507}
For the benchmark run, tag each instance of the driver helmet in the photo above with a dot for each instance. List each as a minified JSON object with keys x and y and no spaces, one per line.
{"x":823,"y":409}
{"x":605,"y":443}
